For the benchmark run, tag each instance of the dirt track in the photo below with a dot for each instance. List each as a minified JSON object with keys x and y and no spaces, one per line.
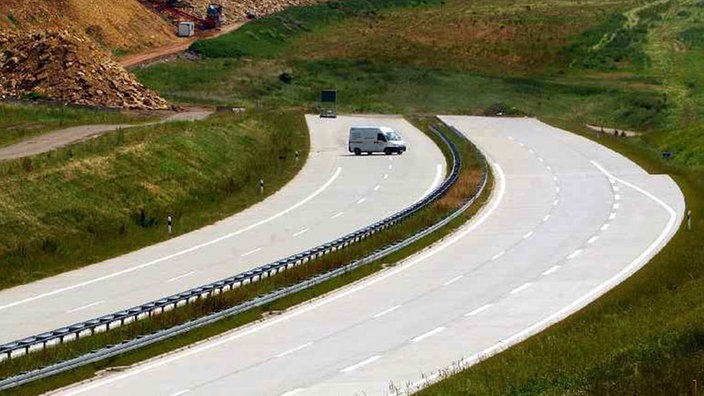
{"x":57,"y":139}
{"x":172,"y":49}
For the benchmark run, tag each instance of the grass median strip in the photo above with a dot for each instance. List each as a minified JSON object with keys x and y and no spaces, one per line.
{"x":458,"y":194}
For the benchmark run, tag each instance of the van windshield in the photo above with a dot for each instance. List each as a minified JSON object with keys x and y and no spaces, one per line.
{"x":392,"y":136}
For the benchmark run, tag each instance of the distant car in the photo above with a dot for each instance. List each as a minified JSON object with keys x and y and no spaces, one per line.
{"x":371,"y":139}
{"x":328,"y":113}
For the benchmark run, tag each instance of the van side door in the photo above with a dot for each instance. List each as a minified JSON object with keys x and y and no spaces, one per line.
{"x":380,"y":141}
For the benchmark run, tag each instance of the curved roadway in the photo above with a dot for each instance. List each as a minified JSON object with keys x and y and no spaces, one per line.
{"x":568,"y":220}
{"x":335,"y":193}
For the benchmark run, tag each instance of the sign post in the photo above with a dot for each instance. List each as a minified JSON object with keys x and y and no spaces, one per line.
{"x":328,"y":103}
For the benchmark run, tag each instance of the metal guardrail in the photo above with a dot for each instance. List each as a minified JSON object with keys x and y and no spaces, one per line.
{"x":232,"y":282}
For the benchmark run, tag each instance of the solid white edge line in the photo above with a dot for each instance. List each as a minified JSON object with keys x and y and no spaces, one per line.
{"x":453,"y":280}
{"x":576,"y":305}
{"x":479,"y":310}
{"x":360,"y":364}
{"x":521,"y":288}
{"x":436,"y":181}
{"x":497,"y":198}
{"x":294,"y":350}
{"x":180,"y":276}
{"x":428,"y":334}
{"x":177,"y":254}
{"x":386,"y":311}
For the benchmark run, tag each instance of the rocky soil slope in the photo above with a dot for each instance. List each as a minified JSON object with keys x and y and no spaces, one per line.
{"x":68,"y":68}
{"x":237,"y":10}
{"x":124,"y":25}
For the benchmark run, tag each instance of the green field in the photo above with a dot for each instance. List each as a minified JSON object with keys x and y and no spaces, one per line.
{"x":19,"y":121}
{"x":625,"y":64}
{"x":111,"y":195}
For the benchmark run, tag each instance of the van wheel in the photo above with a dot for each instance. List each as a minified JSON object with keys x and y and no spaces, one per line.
{"x":357,"y":151}
{"x":369,"y":153}
{"x":388,"y":151}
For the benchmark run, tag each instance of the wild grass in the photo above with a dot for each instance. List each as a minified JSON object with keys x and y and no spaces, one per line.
{"x":464,"y":188}
{"x":19,"y":121}
{"x":111,"y":195}
{"x":454,"y":57}
{"x":269,"y":37}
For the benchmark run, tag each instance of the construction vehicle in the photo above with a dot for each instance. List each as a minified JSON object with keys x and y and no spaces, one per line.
{"x":176,"y":11}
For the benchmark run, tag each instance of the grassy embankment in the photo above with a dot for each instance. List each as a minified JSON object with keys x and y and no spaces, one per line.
{"x":470,"y":178}
{"x":20,"y":121}
{"x":83,"y":203}
{"x":627,"y":64}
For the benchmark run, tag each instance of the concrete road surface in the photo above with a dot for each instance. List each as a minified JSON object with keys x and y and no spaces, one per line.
{"x":568,"y":220}
{"x":335,"y":194}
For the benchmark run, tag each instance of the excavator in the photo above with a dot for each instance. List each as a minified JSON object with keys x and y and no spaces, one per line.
{"x":175,"y":9}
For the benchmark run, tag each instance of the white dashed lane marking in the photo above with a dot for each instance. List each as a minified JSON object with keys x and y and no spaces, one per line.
{"x":551,"y":270}
{"x":386,"y":311}
{"x":360,"y":364}
{"x":479,"y":310}
{"x":250,"y":252}
{"x":428,"y":334}
{"x":521,"y":288}
{"x":453,"y":280}
{"x":181,"y":276}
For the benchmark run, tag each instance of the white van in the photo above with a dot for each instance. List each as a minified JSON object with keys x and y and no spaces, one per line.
{"x":370,"y":139}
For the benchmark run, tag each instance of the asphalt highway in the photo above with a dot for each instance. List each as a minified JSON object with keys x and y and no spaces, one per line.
{"x":568,"y":220}
{"x":335,"y":193}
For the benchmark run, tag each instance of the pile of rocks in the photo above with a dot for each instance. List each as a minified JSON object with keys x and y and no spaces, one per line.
{"x":67,"y":68}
